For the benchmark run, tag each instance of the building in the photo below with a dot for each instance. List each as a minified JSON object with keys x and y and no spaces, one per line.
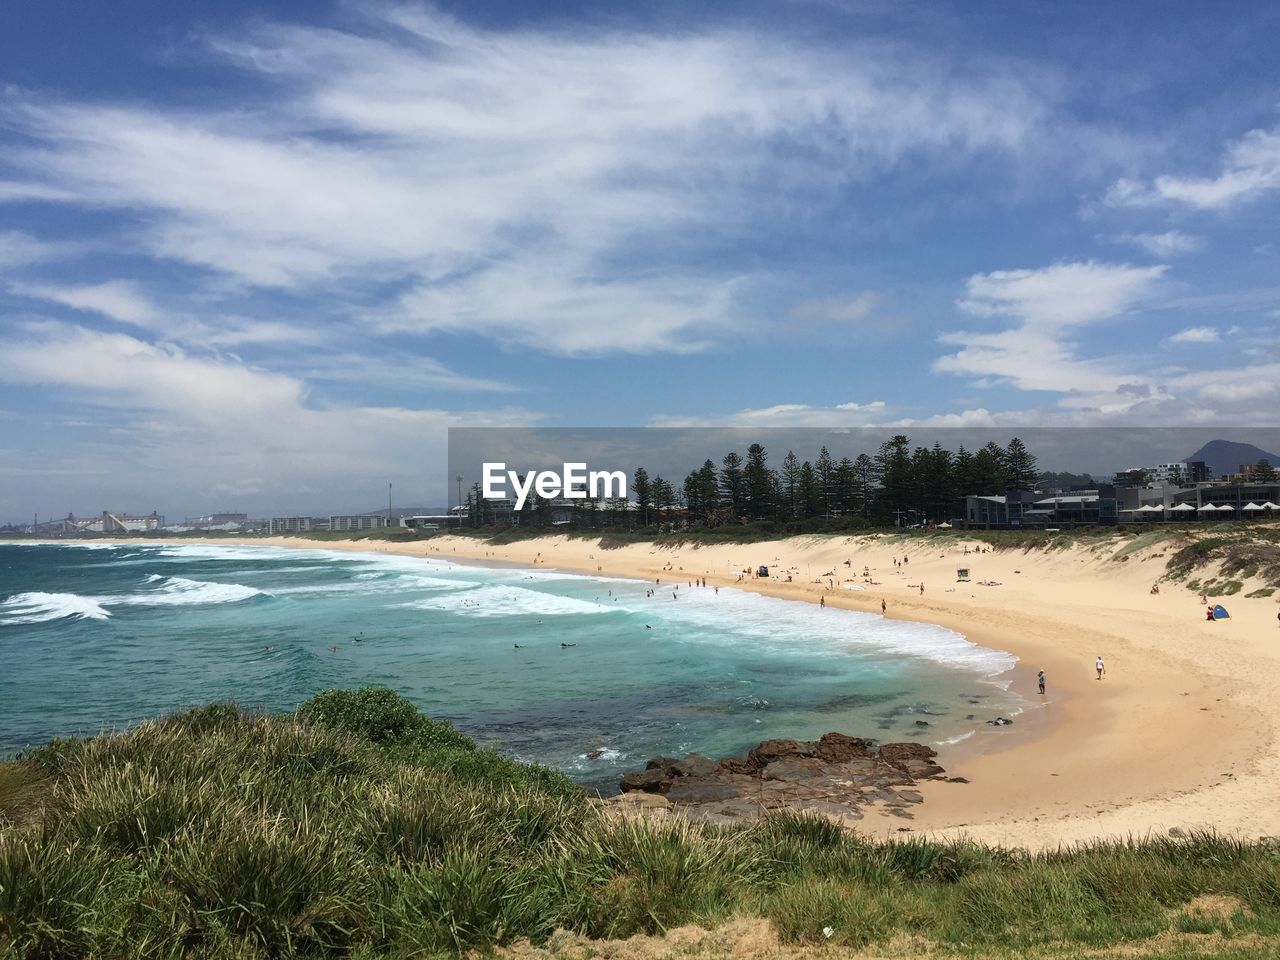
{"x":225,"y":521}
{"x":375,"y":521}
{"x":296,"y":524}
{"x":1182,"y":472}
{"x":1028,"y":509}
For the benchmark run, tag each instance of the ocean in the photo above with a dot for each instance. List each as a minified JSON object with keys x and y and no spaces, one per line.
{"x":98,"y":636}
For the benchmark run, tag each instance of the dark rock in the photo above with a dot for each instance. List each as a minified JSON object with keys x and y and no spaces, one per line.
{"x":661,"y":763}
{"x":839,"y":747}
{"x":957,"y":780}
{"x":695,"y":765}
{"x":834,"y":777}
{"x":770,"y":750}
{"x":594,"y":754}
{"x":650,"y":780}
{"x":922,"y":723}
{"x":1000,"y":722}
{"x":688,"y":790}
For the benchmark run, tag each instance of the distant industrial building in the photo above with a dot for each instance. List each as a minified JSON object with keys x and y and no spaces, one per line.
{"x":375,"y":521}
{"x":224,"y":521}
{"x":296,"y":524}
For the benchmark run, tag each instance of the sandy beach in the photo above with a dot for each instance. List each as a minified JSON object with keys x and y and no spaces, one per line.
{"x":1183,"y":732}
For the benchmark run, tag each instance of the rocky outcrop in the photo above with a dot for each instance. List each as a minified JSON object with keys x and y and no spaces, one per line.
{"x":837,"y":776}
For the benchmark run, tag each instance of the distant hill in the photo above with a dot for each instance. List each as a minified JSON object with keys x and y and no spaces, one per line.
{"x":1226,"y":456}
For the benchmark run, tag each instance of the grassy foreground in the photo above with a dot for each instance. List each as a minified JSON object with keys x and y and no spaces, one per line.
{"x":358,"y":827}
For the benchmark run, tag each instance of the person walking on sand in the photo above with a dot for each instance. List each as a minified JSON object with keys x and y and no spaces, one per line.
{"x":883,"y":606}
{"x":1100,"y":667}
{"x":1040,"y":681}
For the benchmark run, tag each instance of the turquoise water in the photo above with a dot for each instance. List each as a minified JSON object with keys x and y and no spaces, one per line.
{"x":95,"y":636}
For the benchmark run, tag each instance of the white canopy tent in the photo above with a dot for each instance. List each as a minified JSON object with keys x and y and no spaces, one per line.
{"x":1150,"y":508}
{"x":1271,"y":506}
{"x":1227,"y":508}
{"x":1207,"y":508}
{"x":1252,"y":507}
{"x":1182,"y":508}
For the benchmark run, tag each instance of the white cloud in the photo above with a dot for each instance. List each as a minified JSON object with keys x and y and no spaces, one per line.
{"x":1065,"y":294}
{"x":18,"y":249}
{"x":1195,"y":335}
{"x":1250,"y":168}
{"x":837,"y":309}
{"x":523,"y":184}
{"x":1170,"y":243}
{"x":206,"y":422}
{"x":784,"y":415}
{"x":1038,"y":354}
{"x":120,"y":300}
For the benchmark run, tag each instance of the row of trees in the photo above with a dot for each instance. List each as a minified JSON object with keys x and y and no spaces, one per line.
{"x":897,"y":485}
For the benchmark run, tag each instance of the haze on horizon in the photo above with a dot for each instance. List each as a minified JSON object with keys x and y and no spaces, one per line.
{"x":256,"y":257}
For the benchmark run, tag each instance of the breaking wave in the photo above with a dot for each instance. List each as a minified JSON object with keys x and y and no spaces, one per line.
{"x":42,"y":607}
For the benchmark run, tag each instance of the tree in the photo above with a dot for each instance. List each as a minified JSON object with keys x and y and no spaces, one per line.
{"x":1263,"y":472}
{"x":865,"y":481}
{"x":825,"y":472}
{"x":893,"y":464}
{"x":807,"y":489}
{"x":732,"y":489}
{"x":1020,"y":471}
{"x":758,"y":483}
{"x":644,"y":494}
{"x":845,"y":496}
{"x":988,"y":471}
{"x":790,"y":481}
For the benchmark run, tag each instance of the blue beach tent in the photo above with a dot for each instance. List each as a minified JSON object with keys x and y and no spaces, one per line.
{"x":1220,"y":613}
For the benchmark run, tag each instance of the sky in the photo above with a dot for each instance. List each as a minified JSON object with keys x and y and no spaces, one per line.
{"x":262,"y":256}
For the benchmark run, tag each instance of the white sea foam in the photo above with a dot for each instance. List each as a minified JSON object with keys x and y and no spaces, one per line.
{"x":777,"y":624}
{"x":508,"y":601}
{"x":179,"y":592}
{"x":41,"y":607}
{"x":378,"y":583}
{"x":951,"y":741}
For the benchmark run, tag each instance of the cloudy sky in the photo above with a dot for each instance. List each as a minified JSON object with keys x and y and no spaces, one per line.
{"x":262,"y":256}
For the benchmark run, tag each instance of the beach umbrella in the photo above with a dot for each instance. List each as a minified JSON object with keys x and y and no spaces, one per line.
{"x":1271,"y":506}
{"x":944,"y":526}
{"x":1181,"y":508}
{"x":1252,"y":506}
{"x":1206,"y":508}
{"x":1150,"y":508}
{"x":1228,"y":507}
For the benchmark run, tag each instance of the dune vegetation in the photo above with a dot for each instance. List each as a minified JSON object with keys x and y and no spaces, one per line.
{"x":359,"y":827}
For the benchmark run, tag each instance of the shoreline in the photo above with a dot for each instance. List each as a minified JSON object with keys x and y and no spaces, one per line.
{"x":1180,"y":734}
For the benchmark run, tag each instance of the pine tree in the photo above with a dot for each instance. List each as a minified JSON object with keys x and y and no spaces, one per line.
{"x":1263,"y":472}
{"x":644,"y":494}
{"x":732,"y":490}
{"x":790,"y":485}
{"x":865,"y":483}
{"x":1021,"y":472}
{"x":757,"y":483}
{"x":825,"y":472}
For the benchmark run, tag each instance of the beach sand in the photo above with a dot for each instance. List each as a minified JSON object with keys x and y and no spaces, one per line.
{"x":1184,"y":731}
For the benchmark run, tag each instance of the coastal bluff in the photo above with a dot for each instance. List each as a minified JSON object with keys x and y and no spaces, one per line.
{"x":837,"y":776}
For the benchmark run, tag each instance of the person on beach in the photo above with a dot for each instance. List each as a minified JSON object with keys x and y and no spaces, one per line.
{"x":922,"y":589}
{"x":822,"y":601}
{"x":1100,"y":667}
{"x":1040,"y":681}
{"x":883,"y":606}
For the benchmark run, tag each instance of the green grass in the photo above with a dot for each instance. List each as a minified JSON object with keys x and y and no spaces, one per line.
{"x":357,"y":827}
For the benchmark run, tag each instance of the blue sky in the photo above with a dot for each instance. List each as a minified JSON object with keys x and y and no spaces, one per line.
{"x":262,"y":256}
